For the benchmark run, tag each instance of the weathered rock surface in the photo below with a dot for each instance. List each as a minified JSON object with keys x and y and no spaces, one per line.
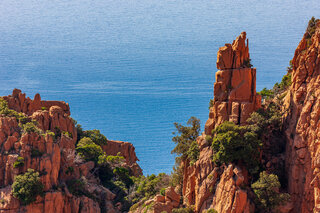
{"x":160,"y":203}
{"x":126,"y":150}
{"x":235,"y":98}
{"x":303,"y":126}
{"x":56,"y":156}
{"x":235,"y":94}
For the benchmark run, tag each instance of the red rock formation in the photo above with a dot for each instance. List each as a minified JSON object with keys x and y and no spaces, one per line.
{"x":303,"y":126}
{"x":160,"y":203}
{"x":235,"y":97}
{"x":126,"y":150}
{"x":235,"y":94}
{"x":57,"y":155}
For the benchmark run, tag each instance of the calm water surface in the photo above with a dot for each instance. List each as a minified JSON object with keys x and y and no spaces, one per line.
{"x":131,"y":68}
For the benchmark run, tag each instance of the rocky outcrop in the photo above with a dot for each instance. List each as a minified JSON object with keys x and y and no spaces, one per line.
{"x":52,"y":155}
{"x":303,"y":127}
{"x":160,"y":203}
{"x":126,"y":150}
{"x":235,"y":98}
{"x":235,"y":94}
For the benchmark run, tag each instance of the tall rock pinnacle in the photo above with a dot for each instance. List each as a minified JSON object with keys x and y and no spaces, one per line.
{"x":235,"y":94}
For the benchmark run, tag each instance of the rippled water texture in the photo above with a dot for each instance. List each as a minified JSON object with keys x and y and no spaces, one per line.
{"x":131,"y":68}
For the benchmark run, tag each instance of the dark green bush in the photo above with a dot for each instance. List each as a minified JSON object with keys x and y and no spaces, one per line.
{"x":233,"y":143}
{"x":147,"y":187}
{"x":211,"y":211}
{"x":311,"y":29}
{"x":183,"y":210}
{"x":188,"y":134}
{"x":4,"y":110}
{"x":266,"y":93}
{"x":27,"y":187}
{"x":267,"y":191}
{"x":88,"y":150}
{"x":193,"y":152}
{"x":69,"y":170}
{"x":163,"y":191}
{"x":95,"y":136}
{"x":35,"y":153}
{"x":247,"y":63}
{"x":123,"y":175}
{"x":76,"y":187}
{"x":211,"y":103}
{"x":19,"y":162}
{"x":31,"y":127}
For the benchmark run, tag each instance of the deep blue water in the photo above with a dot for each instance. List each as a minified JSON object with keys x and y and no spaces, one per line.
{"x":131,"y":68}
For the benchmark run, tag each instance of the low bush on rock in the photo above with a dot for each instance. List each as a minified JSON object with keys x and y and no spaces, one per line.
{"x":233,"y":143}
{"x":267,"y":191}
{"x":27,"y":187}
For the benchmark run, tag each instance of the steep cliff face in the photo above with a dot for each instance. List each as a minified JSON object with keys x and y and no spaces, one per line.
{"x":235,"y":98}
{"x":303,"y":127}
{"x":52,"y":156}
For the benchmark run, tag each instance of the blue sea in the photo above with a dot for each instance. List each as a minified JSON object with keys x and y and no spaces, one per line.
{"x":132,"y":68}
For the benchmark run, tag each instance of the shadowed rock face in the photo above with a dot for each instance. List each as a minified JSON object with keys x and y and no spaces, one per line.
{"x":303,"y":126}
{"x":55,"y":159}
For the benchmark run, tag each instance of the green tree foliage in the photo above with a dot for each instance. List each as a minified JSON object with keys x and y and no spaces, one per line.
{"x":95,"y":136}
{"x":311,"y":29}
{"x":31,"y":127}
{"x":88,"y":150}
{"x":183,"y":210}
{"x":233,"y":143}
{"x":193,"y":152}
{"x":76,"y":187}
{"x":4,"y":110}
{"x":146,"y":187}
{"x":27,"y":187}
{"x":188,"y":134}
{"x":267,"y":192}
{"x":19,"y":162}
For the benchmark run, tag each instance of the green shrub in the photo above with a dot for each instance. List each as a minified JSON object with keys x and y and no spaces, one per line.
{"x":48,"y":132}
{"x":69,"y":170}
{"x":193,"y":152}
{"x":188,"y":134}
{"x":211,"y":211}
{"x":247,"y":63}
{"x":76,"y":187}
{"x":163,"y":191}
{"x":146,"y":187}
{"x":31,"y":127}
{"x":233,"y":143}
{"x":183,"y":210}
{"x":123,"y":175}
{"x":88,"y":150}
{"x":44,"y":108}
{"x":4,"y":110}
{"x":35,"y":153}
{"x":27,"y":187}
{"x":19,"y":162}
{"x":67,"y":134}
{"x":211,"y":103}
{"x":266,"y":93}
{"x":267,"y":191}
{"x":311,"y":29}
{"x":96,"y":136}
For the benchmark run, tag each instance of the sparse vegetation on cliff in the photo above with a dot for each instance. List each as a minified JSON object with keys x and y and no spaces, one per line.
{"x":232,"y":143}
{"x":88,"y":150}
{"x":267,"y":191}
{"x":146,"y":187}
{"x":27,"y":187}
{"x":186,"y":145}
